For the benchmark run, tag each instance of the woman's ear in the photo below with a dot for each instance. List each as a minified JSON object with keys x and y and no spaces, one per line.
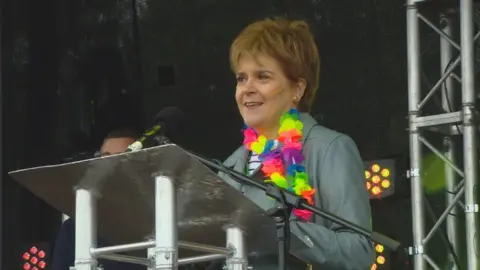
{"x":300,"y":87}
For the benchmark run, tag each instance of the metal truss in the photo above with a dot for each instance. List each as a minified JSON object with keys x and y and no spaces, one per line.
{"x":453,"y":122}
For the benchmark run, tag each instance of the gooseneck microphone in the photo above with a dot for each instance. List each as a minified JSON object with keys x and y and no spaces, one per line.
{"x":168,"y":122}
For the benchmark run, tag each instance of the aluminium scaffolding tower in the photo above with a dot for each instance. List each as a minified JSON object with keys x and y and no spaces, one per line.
{"x":459,"y":122}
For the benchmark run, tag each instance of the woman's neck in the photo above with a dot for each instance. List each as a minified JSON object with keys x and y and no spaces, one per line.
{"x":269,"y":133}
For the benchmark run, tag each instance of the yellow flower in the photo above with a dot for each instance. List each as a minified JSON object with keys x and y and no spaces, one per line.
{"x":278,"y":180}
{"x":259,"y":145}
{"x":287,"y":124}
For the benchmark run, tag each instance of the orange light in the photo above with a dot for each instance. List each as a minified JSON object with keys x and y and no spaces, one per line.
{"x":376,"y":179}
{"x":368,"y":185}
{"x":385,"y":184}
{"x":385,"y":173}
{"x":367,"y":174}
{"x":379,"y":248}
{"x":374,"y":267}
{"x":376,"y":190}
{"x":375,"y":168}
{"x":380,"y":260}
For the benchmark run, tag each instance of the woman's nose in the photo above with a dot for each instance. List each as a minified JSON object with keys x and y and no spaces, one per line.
{"x":249,"y":87}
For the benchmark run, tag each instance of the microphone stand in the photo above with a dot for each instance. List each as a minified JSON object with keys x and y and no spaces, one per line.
{"x":288,"y":202}
{"x":281,"y":217}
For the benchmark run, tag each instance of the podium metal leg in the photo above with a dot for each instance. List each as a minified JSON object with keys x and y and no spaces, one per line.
{"x":235,"y":240}
{"x":166,"y":237}
{"x":85,"y":230}
{"x":151,"y":257}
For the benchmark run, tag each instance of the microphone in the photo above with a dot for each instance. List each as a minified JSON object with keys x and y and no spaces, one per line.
{"x":167,"y":122}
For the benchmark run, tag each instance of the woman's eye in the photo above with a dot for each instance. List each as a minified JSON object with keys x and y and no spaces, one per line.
{"x":241,"y":79}
{"x":263,"y":77}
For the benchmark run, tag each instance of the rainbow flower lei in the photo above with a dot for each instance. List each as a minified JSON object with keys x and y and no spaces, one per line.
{"x":283,"y":165}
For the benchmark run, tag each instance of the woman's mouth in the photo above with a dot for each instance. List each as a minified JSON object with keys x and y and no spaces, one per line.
{"x":251,"y":105}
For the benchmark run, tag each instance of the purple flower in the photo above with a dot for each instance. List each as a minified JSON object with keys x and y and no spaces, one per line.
{"x":292,"y":156}
{"x":271,"y":155}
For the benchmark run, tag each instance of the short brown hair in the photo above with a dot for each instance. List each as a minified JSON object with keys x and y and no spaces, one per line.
{"x":289,"y":42}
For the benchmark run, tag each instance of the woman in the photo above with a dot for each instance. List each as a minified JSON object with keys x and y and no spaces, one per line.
{"x":277,"y":66}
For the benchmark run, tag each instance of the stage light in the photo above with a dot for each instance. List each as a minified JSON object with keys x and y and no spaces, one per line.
{"x":35,"y":257}
{"x":380,"y":258}
{"x":380,"y":178}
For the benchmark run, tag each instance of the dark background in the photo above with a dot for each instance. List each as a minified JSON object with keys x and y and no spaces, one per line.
{"x":72,"y":70}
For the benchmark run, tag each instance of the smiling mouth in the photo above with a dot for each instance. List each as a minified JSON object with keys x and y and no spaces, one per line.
{"x":252,"y":104}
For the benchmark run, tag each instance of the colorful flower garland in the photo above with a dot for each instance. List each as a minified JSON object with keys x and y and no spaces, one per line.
{"x":283,"y":165}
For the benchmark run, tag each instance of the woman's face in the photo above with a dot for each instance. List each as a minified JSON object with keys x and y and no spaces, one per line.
{"x":264,"y":93}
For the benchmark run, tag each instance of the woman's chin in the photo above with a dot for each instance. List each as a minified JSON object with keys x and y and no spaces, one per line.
{"x":253,"y":123}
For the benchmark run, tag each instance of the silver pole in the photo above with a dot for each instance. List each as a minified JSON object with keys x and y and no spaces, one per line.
{"x":235,"y":241}
{"x":85,"y":230}
{"x":124,"y":258}
{"x":2,"y":149}
{"x":201,"y":258}
{"x":166,"y":254}
{"x":446,"y":59}
{"x":122,"y":248}
{"x":150,"y":244}
{"x":469,"y":130}
{"x":414,"y":71}
{"x":204,"y":248}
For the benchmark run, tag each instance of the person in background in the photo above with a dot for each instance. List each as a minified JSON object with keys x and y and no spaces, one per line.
{"x":277,"y":67}
{"x":64,"y":250}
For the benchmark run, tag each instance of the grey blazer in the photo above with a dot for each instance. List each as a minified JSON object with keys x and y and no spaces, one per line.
{"x":336,"y":170}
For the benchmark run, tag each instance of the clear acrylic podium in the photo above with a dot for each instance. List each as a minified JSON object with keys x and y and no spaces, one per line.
{"x":159,"y":199}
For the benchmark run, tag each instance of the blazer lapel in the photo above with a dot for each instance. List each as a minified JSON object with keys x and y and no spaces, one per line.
{"x":241,"y":161}
{"x":238,"y":160}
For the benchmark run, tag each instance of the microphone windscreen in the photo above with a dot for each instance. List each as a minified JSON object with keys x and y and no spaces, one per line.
{"x":174,"y":120}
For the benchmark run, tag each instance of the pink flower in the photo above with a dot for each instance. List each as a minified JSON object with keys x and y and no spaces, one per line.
{"x":250,"y":136}
{"x":303,"y":214}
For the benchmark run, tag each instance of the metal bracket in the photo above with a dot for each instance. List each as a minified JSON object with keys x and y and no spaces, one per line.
{"x":471,"y":208}
{"x":415,"y":250}
{"x":439,"y":119}
{"x":413,"y":173}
